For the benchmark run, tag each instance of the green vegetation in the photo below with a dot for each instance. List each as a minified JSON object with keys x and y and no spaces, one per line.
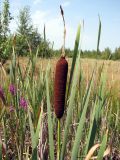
{"x":105,"y":54}
{"x":27,"y":36}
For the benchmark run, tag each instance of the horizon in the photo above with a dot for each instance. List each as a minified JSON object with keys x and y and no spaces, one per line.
{"x":48,"y":13}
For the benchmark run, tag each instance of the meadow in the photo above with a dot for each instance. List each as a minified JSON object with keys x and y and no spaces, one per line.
{"x":89,"y":128}
{"x":111,"y":69}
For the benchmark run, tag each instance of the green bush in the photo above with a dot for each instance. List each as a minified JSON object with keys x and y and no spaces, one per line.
{"x":44,"y":50}
{"x":5,"y":48}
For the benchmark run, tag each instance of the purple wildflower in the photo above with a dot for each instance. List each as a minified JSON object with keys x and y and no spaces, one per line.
{"x":12,"y":89}
{"x":11,"y":109}
{"x":23,"y":102}
{"x":2,"y":96}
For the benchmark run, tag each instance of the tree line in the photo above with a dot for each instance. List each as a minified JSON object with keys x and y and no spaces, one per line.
{"x":29,"y":39}
{"x":106,"y":54}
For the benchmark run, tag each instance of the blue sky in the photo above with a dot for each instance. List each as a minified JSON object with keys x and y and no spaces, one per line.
{"x":47,"y":12}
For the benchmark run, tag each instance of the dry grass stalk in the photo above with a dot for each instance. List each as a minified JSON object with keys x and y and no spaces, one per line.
{"x":91,"y":151}
{"x":43,"y":141}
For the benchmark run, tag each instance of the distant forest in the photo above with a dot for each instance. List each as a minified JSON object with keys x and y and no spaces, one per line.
{"x":105,"y":54}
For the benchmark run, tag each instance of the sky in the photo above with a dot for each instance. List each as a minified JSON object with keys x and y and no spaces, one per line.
{"x":47,"y":12}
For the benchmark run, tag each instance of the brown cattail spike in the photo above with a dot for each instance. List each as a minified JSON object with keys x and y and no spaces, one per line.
{"x":60,"y":86}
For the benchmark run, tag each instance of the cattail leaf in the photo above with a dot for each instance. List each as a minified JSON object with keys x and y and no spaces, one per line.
{"x":31,"y":130}
{"x":102,"y":147}
{"x":2,"y":113}
{"x":50,"y":124}
{"x":74,"y":57}
{"x":38,"y":126}
{"x":28,"y":68}
{"x":92,"y":131}
{"x":70,"y":107}
{"x":99,"y":34}
{"x":13,"y":67}
{"x":34,"y":154}
{"x":20,"y":73}
{"x":79,"y":132}
{"x":91,"y":151}
{"x":96,"y":112}
{"x":0,"y":150}
{"x":117,"y":115}
{"x":101,"y":96}
{"x":107,"y":151}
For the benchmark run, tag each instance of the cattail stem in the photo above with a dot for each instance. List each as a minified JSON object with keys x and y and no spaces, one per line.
{"x":64,"y":33}
{"x":58,"y":140}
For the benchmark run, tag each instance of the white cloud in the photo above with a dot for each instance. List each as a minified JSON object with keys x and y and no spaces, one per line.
{"x":54,"y":28}
{"x":37,"y":1}
{"x":39,"y":17}
{"x":66,"y":3}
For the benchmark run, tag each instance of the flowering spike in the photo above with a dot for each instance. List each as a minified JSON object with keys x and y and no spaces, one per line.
{"x":60,"y":86}
{"x":12,"y":89}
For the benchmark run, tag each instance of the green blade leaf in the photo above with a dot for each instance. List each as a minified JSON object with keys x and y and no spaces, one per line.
{"x":34,"y":154}
{"x":99,"y":34}
{"x":79,"y":132}
{"x":103,"y":146}
{"x":38,"y":126}
{"x":74,"y":58}
{"x":92,"y":131}
{"x":70,"y":107}
{"x":31,"y":130}
{"x":0,"y":150}
{"x":50,"y":124}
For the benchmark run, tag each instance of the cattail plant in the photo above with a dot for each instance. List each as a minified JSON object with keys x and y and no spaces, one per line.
{"x":60,"y":79}
{"x":60,"y":85}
